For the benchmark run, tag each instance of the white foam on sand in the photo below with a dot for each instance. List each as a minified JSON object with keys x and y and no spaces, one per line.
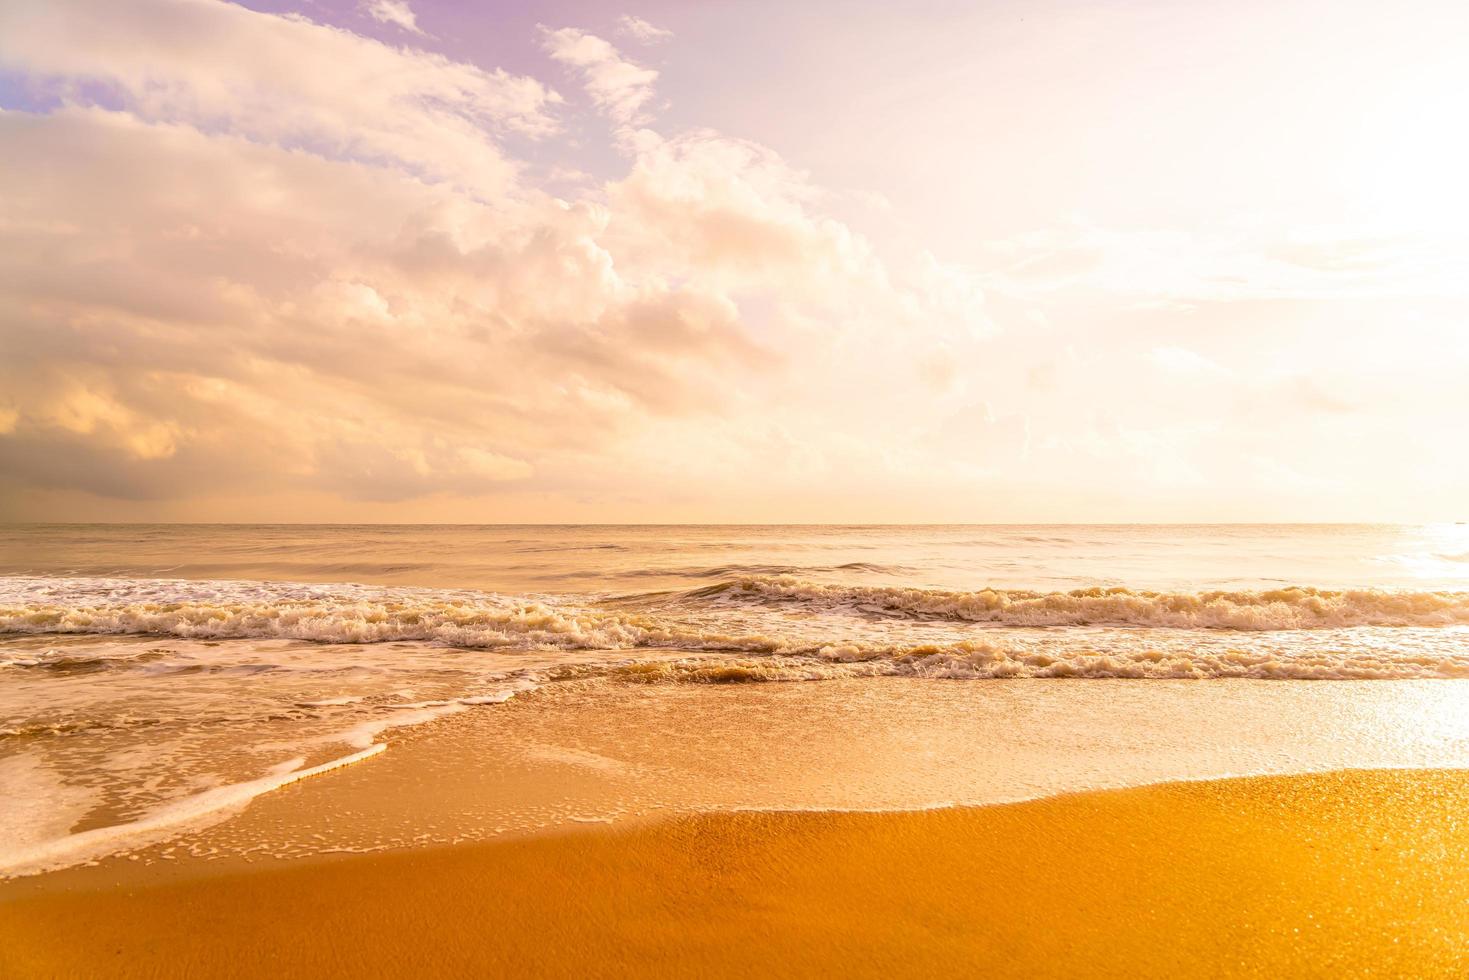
{"x":38,"y":806}
{"x":419,"y":712}
{"x":29,"y":857}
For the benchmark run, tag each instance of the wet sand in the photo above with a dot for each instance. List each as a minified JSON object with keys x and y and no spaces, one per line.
{"x":1335,"y":874}
{"x":592,"y":752}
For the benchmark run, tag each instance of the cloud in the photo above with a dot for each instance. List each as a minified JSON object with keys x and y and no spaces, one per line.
{"x":620,"y":88}
{"x":732,"y":211}
{"x":279,"y":79}
{"x":233,"y":271}
{"x":245,"y":308}
{"x":642,"y":31}
{"x":189,"y":312}
{"x":395,"y":12}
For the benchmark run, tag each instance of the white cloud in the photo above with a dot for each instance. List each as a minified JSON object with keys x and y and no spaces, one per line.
{"x":620,"y":88}
{"x":231,"y":309}
{"x":279,"y":79}
{"x":641,"y":31}
{"x":186,"y":312}
{"x":395,"y":12}
{"x":249,"y":272}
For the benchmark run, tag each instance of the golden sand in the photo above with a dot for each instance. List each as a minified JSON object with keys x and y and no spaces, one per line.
{"x":1342,"y":874}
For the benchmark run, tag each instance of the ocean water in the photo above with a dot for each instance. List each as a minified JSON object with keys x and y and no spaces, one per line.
{"x":153,"y":677}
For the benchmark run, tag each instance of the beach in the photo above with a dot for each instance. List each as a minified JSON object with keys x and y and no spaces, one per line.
{"x":1342,"y":874}
{"x":862,"y":827}
{"x":733,"y":751}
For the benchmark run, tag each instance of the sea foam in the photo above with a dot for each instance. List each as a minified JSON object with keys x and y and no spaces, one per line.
{"x":799,"y":628}
{"x":190,"y":813}
{"x":1273,"y":609}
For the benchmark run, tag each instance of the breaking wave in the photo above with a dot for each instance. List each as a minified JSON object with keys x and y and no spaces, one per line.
{"x":1274,"y":609}
{"x":979,"y":660}
{"x":491,"y":623}
{"x":351,"y":614}
{"x":788,"y":629}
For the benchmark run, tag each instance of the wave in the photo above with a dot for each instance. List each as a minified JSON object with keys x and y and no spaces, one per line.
{"x":767,"y":570}
{"x":1274,"y":609}
{"x":248,"y":610}
{"x":366,"y":614}
{"x":840,"y":631}
{"x":978,"y":660}
{"x":523,"y":626}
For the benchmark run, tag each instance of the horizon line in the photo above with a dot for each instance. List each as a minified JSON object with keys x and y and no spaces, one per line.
{"x":854,"y":524}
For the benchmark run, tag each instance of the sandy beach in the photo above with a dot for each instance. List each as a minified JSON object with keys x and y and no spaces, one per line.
{"x":1341,"y":874}
{"x":844,"y":827}
{"x":710,"y":772}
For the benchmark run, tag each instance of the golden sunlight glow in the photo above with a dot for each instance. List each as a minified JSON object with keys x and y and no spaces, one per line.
{"x":1134,"y":262}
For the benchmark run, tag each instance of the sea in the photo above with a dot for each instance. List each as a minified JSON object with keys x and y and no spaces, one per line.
{"x":154,"y":675}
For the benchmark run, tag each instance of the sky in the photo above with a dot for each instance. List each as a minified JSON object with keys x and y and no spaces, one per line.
{"x":930,"y":262}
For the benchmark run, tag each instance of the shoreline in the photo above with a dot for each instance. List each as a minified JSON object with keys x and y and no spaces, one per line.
{"x":592,"y":753}
{"x":1336,"y":873}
